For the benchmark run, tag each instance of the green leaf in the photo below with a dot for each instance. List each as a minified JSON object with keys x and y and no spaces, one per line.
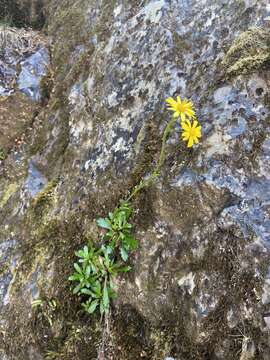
{"x":79,"y":253}
{"x":104,"y":223}
{"x":112,"y":294}
{"x":109,"y":249}
{"x":77,"y":289}
{"x":105,"y":297}
{"x":129,"y":242}
{"x":124,"y":254}
{"x":77,"y":268}
{"x":133,"y":243}
{"x":123,"y":268}
{"x":86,"y":292}
{"x":85,"y":250}
{"x":93,"y":306}
{"x":87,"y":271}
{"x":75,"y":277}
{"x":36,"y":303}
{"x":101,"y":308}
{"x":97,"y":289}
{"x":110,"y":234}
{"x":94,"y":269}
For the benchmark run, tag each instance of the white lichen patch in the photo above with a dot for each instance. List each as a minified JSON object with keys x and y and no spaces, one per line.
{"x":153,"y":11}
{"x":187,"y":282}
{"x":217,"y":144}
{"x":221,"y":94}
{"x":8,"y":192}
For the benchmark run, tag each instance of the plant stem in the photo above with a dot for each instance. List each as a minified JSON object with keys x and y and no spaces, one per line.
{"x":156,"y":172}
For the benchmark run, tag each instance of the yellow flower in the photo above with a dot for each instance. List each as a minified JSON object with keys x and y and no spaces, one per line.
{"x":191,"y":133}
{"x":181,"y":108}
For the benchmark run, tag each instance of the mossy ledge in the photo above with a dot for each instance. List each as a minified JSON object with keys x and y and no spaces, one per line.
{"x":249,"y":52}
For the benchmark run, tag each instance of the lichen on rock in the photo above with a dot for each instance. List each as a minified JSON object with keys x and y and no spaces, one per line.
{"x":249,"y":52}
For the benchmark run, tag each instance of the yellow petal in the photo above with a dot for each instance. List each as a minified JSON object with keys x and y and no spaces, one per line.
{"x":190,"y":142}
{"x":182,"y":123}
{"x":198,"y":131}
{"x":183,"y":117}
{"x":175,"y":115}
{"x":185,"y":126}
{"x":190,"y":112}
{"x":185,"y":136}
{"x":189,"y":124}
{"x":179,"y":99}
{"x":195,"y":123}
{"x":171,"y":102}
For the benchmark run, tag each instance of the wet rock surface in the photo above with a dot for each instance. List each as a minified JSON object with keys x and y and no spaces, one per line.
{"x":200,"y":284}
{"x":33,"y":69}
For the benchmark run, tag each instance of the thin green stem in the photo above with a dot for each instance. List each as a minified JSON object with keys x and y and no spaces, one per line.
{"x":156,"y":172}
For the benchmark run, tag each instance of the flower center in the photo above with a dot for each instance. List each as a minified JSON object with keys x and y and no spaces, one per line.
{"x":181,"y":108}
{"x":192,"y":132}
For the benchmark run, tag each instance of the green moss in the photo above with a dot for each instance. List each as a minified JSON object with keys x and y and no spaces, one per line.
{"x":59,"y":146}
{"x":69,"y":18}
{"x":79,"y":69}
{"x":2,"y":154}
{"x":130,"y":333}
{"x":46,"y":85}
{"x":161,"y":342}
{"x":45,"y":197}
{"x":73,"y":60}
{"x":10,"y":190}
{"x":39,"y":140}
{"x":48,"y":241}
{"x":249,"y":52}
{"x":180,"y":43}
{"x":58,"y":149}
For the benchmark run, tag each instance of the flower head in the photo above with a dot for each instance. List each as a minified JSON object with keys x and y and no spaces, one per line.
{"x":181,"y":108}
{"x":191,"y":132}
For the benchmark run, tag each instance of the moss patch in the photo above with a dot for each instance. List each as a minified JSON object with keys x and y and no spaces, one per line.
{"x":45,"y":197}
{"x":249,"y":52}
{"x":10,"y":190}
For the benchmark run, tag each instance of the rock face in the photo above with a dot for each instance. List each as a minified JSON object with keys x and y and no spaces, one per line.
{"x":200,"y":285}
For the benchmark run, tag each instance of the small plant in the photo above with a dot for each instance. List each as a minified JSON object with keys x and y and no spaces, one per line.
{"x":119,"y":229}
{"x":94,"y":273}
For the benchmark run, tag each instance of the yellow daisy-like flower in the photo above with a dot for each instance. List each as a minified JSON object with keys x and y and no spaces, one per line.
{"x":181,"y":108}
{"x":191,"y":133}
